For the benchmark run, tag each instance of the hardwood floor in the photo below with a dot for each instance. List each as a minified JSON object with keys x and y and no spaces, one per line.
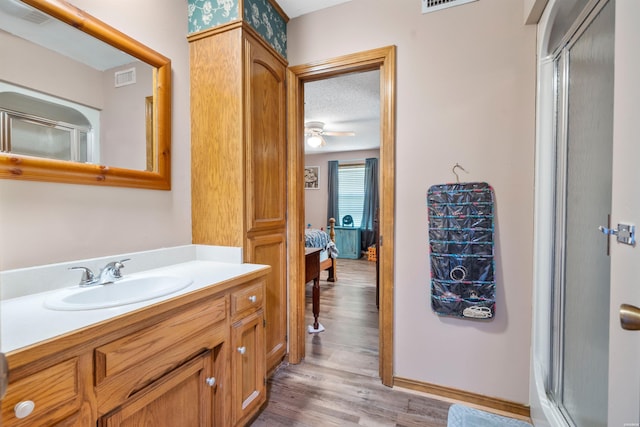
{"x":337,"y":384}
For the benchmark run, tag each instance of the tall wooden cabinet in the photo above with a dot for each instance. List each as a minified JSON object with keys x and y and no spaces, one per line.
{"x":238,"y":149}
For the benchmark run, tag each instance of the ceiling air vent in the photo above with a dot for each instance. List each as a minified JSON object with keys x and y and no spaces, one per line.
{"x":433,"y":5}
{"x":125,"y":77}
{"x":36,"y":17}
{"x":20,"y":10}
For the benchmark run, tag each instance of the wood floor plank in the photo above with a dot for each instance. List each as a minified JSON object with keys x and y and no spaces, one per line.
{"x":337,"y":384}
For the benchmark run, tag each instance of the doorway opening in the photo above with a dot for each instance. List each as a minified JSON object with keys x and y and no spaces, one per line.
{"x":382,"y":59}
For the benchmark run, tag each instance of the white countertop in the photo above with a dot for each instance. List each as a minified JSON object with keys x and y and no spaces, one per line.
{"x":25,"y":321}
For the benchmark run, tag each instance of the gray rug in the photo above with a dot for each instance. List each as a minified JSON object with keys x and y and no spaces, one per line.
{"x":463,"y":416}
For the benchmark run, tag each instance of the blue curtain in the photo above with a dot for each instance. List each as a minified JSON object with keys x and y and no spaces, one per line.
{"x":371,"y":200}
{"x":332,"y":205}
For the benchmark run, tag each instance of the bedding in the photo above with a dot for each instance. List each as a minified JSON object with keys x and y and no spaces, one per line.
{"x":314,"y":238}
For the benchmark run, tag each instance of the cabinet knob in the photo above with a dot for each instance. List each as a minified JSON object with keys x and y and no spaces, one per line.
{"x":242,"y":350}
{"x":24,"y":409}
{"x":253,"y":298}
{"x":211,"y":381}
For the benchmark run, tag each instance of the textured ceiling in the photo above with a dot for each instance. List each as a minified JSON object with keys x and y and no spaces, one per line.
{"x":349,"y":102}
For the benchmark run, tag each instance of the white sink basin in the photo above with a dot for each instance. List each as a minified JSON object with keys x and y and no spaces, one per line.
{"x":122,"y":292}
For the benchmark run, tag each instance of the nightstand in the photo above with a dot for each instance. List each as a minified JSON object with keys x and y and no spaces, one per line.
{"x":348,"y":242}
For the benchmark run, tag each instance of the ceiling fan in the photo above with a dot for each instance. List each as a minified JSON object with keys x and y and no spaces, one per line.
{"x":314,"y":131}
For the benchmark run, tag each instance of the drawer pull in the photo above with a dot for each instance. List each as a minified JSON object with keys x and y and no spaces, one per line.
{"x":242,"y":350}
{"x":253,"y":298}
{"x":211,"y":381}
{"x":24,"y":409}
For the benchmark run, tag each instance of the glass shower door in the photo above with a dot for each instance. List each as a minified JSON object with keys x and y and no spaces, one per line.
{"x":585,"y":77}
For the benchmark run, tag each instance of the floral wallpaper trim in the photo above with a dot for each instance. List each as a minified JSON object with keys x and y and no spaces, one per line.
{"x":260,"y":14}
{"x":266,"y":20}
{"x":204,"y":14}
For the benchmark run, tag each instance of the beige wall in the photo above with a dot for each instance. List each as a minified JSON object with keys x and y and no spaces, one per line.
{"x":465,"y":94}
{"x":315,"y":201}
{"x":44,"y":222}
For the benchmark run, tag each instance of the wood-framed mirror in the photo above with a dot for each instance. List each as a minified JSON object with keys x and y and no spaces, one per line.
{"x":132,"y":152}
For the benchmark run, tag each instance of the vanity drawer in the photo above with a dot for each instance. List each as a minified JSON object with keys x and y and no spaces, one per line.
{"x":247,"y":298}
{"x":126,"y":365}
{"x":54,"y":392}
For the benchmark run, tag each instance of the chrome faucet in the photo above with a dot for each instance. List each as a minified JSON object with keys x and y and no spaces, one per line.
{"x":109,"y":274}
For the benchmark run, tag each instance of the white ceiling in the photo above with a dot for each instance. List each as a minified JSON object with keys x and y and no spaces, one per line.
{"x":294,"y":8}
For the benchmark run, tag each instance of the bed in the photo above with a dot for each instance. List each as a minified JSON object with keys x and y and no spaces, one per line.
{"x":320,"y":255}
{"x":314,"y":238}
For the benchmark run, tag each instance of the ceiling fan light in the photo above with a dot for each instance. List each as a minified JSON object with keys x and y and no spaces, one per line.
{"x":314,"y":141}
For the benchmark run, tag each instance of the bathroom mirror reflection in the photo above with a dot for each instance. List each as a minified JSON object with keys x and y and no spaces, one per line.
{"x":80,"y":101}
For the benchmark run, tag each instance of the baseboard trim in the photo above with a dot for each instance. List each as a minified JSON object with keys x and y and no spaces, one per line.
{"x":505,"y":406}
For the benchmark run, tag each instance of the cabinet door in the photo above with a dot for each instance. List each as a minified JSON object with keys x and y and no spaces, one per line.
{"x":248,"y":390}
{"x":266,"y":186}
{"x":180,"y":398}
{"x":270,"y":249}
{"x":265,"y":139}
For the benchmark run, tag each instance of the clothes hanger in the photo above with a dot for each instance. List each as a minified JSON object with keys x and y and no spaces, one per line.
{"x":453,"y":169}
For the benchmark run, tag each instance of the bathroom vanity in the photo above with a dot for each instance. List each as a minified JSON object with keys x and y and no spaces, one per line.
{"x":194,"y":357}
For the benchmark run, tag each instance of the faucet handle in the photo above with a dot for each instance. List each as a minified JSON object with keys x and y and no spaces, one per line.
{"x":87,"y":278}
{"x":117,"y":265}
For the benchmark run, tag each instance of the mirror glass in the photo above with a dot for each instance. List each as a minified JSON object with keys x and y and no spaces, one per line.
{"x":80,"y":101}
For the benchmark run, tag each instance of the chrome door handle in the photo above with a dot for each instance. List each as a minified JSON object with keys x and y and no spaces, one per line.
{"x":625,"y":233}
{"x":629,"y":317}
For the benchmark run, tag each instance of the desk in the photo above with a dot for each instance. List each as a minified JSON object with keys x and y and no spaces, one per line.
{"x":312,"y":272}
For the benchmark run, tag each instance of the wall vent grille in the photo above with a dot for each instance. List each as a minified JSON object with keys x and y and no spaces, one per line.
{"x":125,"y":77}
{"x":433,"y":5}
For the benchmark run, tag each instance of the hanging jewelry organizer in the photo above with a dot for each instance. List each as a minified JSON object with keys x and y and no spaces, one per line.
{"x":461,"y":249}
